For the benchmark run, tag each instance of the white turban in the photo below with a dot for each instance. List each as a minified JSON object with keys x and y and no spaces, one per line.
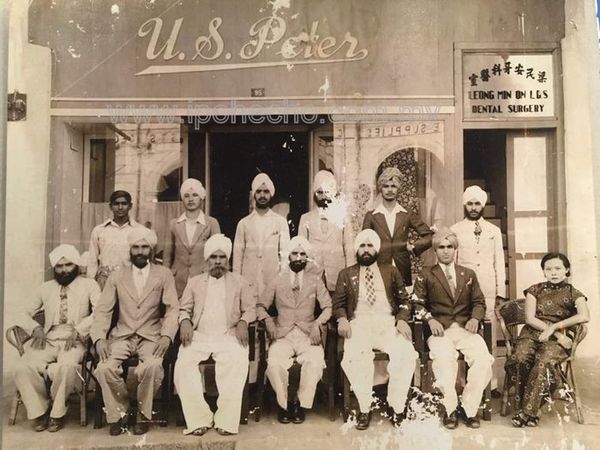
{"x":367,"y":236}
{"x":325,"y":180}
{"x":474,"y":193}
{"x":299,"y":241}
{"x":193,"y":185}
{"x":259,"y":180}
{"x":66,"y":251}
{"x":142,"y":234}
{"x":217,"y":242}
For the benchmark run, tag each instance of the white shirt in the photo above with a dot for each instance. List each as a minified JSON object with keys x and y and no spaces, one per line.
{"x":382,"y":305}
{"x":213,"y":321}
{"x":109,"y":246}
{"x":191,"y":225}
{"x":140,"y":277}
{"x":390,"y":216}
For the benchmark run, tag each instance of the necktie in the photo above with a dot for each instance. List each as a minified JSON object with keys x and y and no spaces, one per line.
{"x":450,"y":280}
{"x":139,"y":281}
{"x":370,"y":285}
{"x":477,"y":231}
{"x":63,"y":305}
{"x":296,"y":285}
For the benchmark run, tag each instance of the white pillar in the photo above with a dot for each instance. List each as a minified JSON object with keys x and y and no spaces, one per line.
{"x":580,"y":61}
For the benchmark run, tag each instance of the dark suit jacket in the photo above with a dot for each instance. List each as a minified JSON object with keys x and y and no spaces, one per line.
{"x":186,"y":259}
{"x":394,"y":246}
{"x":432,"y":295}
{"x":346,"y":292}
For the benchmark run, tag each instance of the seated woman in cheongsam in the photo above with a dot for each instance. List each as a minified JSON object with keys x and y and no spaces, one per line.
{"x":550,"y":307}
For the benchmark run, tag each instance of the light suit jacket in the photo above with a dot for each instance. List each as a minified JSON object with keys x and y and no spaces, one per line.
{"x":240,"y":298}
{"x":186,"y":259}
{"x":486,"y":258}
{"x":82,"y":297}
{"x":332,"y":250}
{"x":292,"y":312}
{"x":255,"y":258}
{"x":432,"y":295}
{"x":393,"y":246}
{"x":139,"y":315}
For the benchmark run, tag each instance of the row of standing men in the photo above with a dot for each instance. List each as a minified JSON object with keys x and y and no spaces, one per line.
{"x":212,"y":307}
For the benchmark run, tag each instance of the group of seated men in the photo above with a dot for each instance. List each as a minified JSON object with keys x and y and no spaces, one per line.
{"x":275,"y":279}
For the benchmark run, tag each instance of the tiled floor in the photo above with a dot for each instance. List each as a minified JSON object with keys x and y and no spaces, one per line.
{"x":556,"y":431}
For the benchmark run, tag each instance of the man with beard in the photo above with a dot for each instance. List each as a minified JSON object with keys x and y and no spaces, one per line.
{"x":331,"y":239}
{"x":447,"y":296}
{"x":480,"y":249}
{"x":57,"y":347}
{"x":184,"y":249}
{"x":295,"y":331}
{"x":108,"y":243}
{"x":392,"y":223}
{"x":260,"y":237}
{"x":137,"y":292}
{"x":215,"y":310}
{"x":372,"y":308}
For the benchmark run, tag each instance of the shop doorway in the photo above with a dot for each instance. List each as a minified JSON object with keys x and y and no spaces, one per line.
{"x":234,"y":158}
{"x":518,"y":169}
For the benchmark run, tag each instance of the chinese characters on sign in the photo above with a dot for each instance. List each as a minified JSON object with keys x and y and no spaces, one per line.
{"x":501,"y":86}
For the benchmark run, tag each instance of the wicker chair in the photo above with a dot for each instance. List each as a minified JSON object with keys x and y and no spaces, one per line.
{"x":511,"y":315}
{"x":17,"y":337}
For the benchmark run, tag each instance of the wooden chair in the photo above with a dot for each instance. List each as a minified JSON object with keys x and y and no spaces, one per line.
{"x":166,"y":386}
{"x":420,"y":335}
{"x":511,"y":316}
{"x":210,"y":386}
{"x":17,"y":337}
{"x":346,"y":388}
{"x":328,"y":340}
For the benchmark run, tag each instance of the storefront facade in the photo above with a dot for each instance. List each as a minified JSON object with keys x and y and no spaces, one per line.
{"x":142,"y":95}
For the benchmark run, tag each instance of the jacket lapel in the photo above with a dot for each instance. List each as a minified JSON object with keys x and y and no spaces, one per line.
{"x":180,"y":230}
{"x":380,"y":219}
{"x":199,"y":230}
{"x":460,"y":281}
{"x":439,"y":274}
{"x":315,"y":226}
{"x":151,"y":282}
{"x":201,"y":298}
{"x":398,"y":222}
{"x":128,"y":283}
{"x":354,"y":274}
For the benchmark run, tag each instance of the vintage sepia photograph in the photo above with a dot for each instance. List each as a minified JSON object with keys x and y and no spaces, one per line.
{"x":292,"y":224}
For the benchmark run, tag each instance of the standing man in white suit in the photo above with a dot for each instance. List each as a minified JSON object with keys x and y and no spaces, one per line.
{"x":480,"y":249}
{"x":260,"y":237}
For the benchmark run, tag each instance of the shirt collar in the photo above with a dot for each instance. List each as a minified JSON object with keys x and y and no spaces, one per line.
{"x":450,"y":266}
{"x":131,"y":222}
{"x":145,"y":270}
{"x":200,"y":219}
{"x":383,"y":210}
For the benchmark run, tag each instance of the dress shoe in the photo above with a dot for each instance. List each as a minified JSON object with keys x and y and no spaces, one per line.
{"x":471,"y":422}
{"x":118,"y":427}
{"x":496,"y":393}
{"x":141,"y":427}
{"x":283,"y":415}
{"x":298,"y":413}
{"x":41,"y":423}
{"x":55,"y":424}
{"x":363,"y":420}
{"x":450,"y":421}
{"x":223,"y":432}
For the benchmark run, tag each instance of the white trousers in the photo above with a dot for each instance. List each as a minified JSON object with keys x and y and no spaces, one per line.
{"x":62,"y":367}
{"x":378,"y":333}
{"x":231,"y":370}
{"x":310,"y":357}
{"x":490,"y":314}
{"x":443,"y":351}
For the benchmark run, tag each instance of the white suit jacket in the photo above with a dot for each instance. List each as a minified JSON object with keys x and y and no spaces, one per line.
{"x":332,"y":250}
{"x":256,"y":259}
{"x":486,"y":258}
{"x":82,"y":297}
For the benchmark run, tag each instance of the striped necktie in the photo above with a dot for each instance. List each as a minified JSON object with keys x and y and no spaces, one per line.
{"x":450,"y":279}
